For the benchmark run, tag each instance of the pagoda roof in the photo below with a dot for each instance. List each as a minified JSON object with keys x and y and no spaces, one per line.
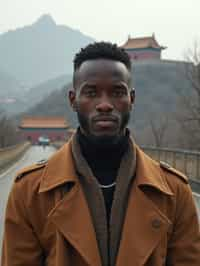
{"x":44,"y":122}
{"x":142,"y":42}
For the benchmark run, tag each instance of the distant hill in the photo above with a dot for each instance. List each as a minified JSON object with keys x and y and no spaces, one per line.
{"x":40,"y":92}
{"x":158,"y":85}
{"x":9,"y":86}
{"x":16,"y":99}
{"x":39,"y":52}
{"x":12,"y":93}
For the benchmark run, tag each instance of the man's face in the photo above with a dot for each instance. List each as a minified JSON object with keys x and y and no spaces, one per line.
{"x":102,"y":98}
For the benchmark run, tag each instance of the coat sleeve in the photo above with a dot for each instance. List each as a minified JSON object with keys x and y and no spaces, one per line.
{"x":20,"y":244}
{"x":184,"y":245}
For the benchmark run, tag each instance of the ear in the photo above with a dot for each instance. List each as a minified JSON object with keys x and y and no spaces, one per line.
{"x":72,"y":99}
{"x":132,"y":95}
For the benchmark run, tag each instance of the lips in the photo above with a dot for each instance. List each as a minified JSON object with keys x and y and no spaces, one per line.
{"x":105,"y":119}
{"x":105,"y":122}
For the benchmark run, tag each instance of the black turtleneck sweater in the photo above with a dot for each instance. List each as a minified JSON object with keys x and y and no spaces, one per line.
{"x":104,"y":161}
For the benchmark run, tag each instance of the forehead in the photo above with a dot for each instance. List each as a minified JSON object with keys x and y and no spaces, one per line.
{"x":102,"y":69}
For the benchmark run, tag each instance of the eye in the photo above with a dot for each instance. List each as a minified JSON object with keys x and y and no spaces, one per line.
{"x":90,"y":92}
{"x":119,"y":92}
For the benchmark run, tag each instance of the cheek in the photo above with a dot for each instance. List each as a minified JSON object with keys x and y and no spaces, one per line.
{"x":123,"y":105}
{"x":85,"y":106}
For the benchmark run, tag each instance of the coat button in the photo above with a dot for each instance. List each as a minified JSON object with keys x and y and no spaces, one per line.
{"x":156,"y":223}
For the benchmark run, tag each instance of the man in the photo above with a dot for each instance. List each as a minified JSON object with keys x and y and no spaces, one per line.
{"x":99,"y":200}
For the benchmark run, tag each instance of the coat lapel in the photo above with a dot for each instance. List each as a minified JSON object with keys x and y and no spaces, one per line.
{"x":144,"y":224}
{"x":143,"y":228}
{"x":71,"y":215}
{"x":72,"y":218}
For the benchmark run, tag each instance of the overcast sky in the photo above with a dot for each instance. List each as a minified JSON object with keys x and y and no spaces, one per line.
{"x":176,"y":23}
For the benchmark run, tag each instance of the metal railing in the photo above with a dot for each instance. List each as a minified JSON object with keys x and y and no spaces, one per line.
{"x":185,"y":161}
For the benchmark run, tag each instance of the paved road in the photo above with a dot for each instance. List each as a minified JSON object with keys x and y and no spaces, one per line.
{"x":34,"y":154}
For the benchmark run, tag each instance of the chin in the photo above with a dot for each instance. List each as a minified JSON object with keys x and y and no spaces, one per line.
{"x":104,"y":138}
{"x":106,"y":134}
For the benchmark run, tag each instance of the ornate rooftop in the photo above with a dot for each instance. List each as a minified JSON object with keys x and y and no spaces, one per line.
{"x":142,"y":42}
{"x":44,"y":122}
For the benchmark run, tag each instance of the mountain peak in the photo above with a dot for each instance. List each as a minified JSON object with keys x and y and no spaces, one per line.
{"x":45,"y":20}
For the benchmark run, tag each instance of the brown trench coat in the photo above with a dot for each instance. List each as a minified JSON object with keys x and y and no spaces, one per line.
{"x":48,"y":221}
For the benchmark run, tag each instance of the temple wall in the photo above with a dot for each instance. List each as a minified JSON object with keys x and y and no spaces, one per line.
{"x":144,"y":55}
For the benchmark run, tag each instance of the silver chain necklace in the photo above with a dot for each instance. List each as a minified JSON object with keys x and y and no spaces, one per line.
{"x":107,"y":186}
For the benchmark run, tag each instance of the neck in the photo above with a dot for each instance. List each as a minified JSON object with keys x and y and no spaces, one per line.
{"x":108,"y":144}
{"x":103,"y":157}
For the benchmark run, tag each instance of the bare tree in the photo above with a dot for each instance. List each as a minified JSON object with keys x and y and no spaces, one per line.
{"x":8,"y":133}
{"x":159,"y":126}
{"x":189,"y":101}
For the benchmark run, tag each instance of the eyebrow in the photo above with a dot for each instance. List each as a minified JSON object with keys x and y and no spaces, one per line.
{"x":92,"y":84}
{"x":121,"y":84}
{"x":88,"y":84}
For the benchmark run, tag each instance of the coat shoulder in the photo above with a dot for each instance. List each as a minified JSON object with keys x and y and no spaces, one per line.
{"x":30,"y":169}
{"x":169,"y":169}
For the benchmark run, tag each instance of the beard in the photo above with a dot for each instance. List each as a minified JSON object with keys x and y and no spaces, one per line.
{"x":103,"y":140}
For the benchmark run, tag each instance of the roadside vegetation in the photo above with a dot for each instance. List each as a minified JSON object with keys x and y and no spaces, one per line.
{"x":9,"y":135}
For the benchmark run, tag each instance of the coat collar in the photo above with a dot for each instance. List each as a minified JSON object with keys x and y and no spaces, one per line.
{"x":149,"y":173}
{"x":60,"y":169}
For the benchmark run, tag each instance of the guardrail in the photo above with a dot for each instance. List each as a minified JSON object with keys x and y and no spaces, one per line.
{"x":10,"y":154}
{"x":185,"y":161}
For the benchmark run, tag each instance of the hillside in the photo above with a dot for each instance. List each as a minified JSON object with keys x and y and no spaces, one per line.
{"x":40,"y":92}
{"x":41,"y":51}
{"x":12,"y":93}
{"x":9,"y":86}
{"x":18,"y":99}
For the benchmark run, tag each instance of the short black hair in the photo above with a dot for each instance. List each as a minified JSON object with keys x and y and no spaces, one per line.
{"x":99,"y":50}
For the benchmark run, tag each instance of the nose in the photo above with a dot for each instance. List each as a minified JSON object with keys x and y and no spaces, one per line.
{"x":104,"y":105}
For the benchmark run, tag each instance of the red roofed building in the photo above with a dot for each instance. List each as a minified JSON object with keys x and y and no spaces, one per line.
{"x":55,"y":128}
{"x":143,"y":48}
